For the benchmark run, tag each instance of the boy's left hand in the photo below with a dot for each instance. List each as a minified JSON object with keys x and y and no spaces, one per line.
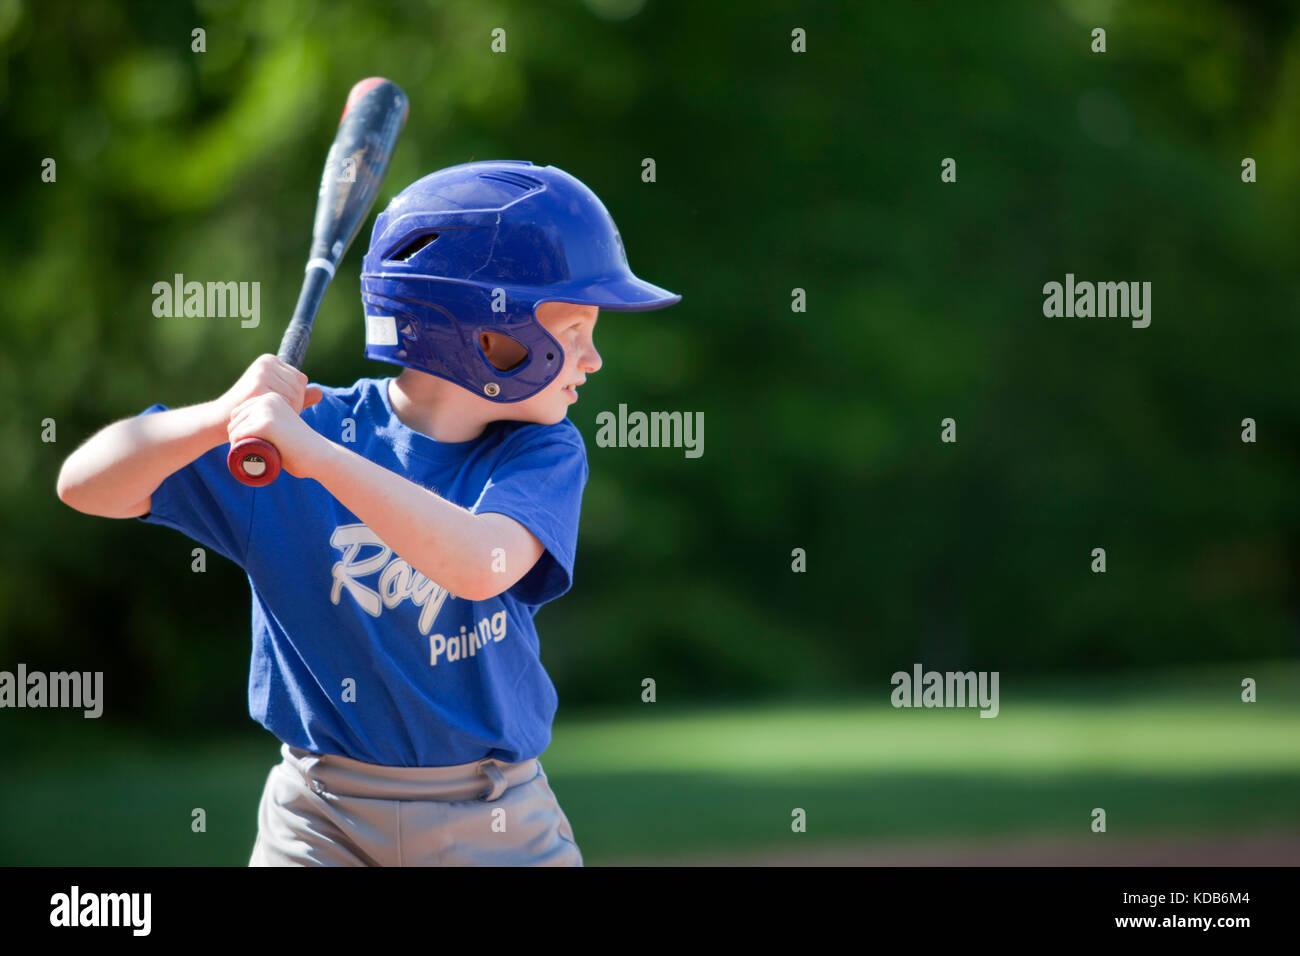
{"x":270,"y":417}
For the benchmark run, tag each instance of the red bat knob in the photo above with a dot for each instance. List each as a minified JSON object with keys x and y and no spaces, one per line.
{"x":254,"y":462}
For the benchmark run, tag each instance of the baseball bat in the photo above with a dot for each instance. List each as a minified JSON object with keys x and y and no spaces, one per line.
{"x":372,"y":119}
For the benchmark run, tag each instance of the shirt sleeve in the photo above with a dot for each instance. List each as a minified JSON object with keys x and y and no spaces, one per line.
{"x":541,"y":487}
{"x":204,"y":502}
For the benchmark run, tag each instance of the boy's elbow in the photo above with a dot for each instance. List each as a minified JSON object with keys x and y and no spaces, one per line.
{"x":72,"y":491}
{"x":75,"y":498}
{"x":79,"y":497}
{"x":490,"y":585}
{"x":494,"y":585}
{"x":67,"y":489}
{"x":484,"y":590}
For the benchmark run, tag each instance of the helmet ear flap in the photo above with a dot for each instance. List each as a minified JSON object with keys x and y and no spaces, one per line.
{"x":503,"y":352}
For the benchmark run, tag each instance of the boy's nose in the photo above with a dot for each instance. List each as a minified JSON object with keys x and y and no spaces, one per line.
{"x":590,"y":361}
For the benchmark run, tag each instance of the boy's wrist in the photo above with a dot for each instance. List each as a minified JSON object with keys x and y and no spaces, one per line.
{"x":323,"y":461}
{"x":213,"y":420}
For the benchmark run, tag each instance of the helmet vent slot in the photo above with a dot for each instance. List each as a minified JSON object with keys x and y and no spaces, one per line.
{"x":412,"y":247}
{"x":523,"y":183}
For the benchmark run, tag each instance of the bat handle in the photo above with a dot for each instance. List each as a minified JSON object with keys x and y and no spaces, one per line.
{"x":254,"y":462}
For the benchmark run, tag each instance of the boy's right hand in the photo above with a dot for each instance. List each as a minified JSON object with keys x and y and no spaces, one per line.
{"x":268,"y":374}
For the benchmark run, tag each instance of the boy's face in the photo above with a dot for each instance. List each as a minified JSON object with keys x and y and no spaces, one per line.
{"x":573,"y":326}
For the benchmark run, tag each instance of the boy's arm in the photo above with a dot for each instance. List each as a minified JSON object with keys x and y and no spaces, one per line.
{"x":447,"y":544}
{"x":443,"y":541}
{"x":116,"y":472}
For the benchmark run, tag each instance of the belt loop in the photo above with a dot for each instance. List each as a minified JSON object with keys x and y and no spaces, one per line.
{"x":307,"y":761}
{"x":488,"y":766}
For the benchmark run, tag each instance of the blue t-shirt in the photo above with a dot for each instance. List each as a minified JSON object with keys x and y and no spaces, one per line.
{"x":438,"y":680}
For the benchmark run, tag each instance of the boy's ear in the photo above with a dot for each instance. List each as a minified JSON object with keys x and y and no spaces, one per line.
{"x":502,"y":351}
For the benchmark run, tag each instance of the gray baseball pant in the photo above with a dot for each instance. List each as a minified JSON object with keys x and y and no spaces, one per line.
{"x":326,"y":810}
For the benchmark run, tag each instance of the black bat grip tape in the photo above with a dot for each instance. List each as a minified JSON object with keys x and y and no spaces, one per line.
{"x":293,"y":345}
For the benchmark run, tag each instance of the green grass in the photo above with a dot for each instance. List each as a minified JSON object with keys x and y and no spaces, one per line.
{"x":1161,"y":754}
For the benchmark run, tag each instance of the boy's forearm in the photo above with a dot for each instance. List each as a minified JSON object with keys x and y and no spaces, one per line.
{"x":441,"y":540}
{"x":124,"y":463}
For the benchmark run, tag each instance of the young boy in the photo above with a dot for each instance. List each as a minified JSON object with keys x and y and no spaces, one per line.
{"x":420,"y":522}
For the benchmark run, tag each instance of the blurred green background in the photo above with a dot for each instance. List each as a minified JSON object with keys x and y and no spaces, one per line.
{"x":775,"y":171}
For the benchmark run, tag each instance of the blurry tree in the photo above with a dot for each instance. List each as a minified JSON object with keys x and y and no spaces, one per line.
{"x":774,"y":170}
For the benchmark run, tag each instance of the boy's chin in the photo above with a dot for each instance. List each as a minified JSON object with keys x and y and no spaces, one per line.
{"x":543,"y":416}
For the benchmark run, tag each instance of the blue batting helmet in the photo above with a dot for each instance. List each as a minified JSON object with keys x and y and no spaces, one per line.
{"x":475,"y":248}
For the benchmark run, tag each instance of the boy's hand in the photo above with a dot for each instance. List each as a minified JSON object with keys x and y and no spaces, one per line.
{"x":268,"y":375}
{"x":269,"y":416}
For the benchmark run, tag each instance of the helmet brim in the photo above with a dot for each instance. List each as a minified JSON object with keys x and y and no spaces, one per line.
{"x":617,"y":294}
